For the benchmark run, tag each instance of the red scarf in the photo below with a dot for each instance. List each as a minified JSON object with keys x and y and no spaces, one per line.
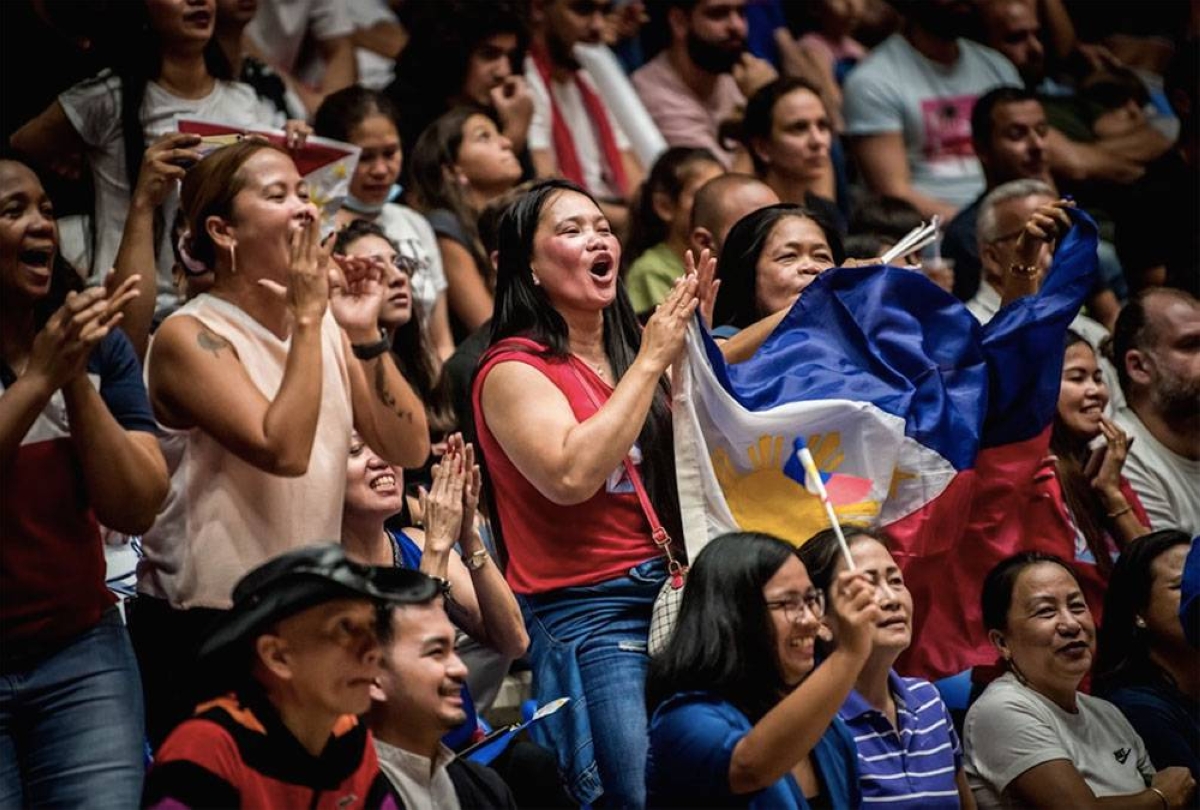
{"x":564,"y":143}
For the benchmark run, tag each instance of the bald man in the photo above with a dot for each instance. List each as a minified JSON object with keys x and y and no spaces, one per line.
{"x":720,"y":203}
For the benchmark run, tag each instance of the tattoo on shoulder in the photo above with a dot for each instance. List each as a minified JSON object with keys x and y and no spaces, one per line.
{"x":385,"y":395}
{"x":210,"y":341}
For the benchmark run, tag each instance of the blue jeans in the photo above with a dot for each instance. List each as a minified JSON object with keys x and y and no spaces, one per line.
{"x":71,"y":725}
{"x":589,"y":643}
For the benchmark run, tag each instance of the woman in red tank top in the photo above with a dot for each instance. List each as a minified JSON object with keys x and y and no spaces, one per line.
{"x":571,"y":406}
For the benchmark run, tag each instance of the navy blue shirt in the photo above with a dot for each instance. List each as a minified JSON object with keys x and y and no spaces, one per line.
{"x":1166,"y":720}
{"x":692,"y":737}
{"x":914,"y":764}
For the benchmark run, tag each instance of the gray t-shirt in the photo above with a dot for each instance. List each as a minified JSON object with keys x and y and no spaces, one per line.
{"x":896,"y":89}
{"x":1012,"y":728}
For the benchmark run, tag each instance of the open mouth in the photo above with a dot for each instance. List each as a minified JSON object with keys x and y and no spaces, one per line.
{"x":387,"y":481}
{"x":602,"y":267}
{"x":897,"y":621}
{"x":36,"y":257}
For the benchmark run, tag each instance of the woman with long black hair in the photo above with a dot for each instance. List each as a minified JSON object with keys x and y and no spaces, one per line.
{"x":571,"y":415}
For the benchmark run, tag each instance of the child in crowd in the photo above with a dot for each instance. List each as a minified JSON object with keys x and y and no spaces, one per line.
{"x":661,"y":227}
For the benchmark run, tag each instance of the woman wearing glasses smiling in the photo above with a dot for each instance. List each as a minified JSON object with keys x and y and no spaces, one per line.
{"x":740,"y":715}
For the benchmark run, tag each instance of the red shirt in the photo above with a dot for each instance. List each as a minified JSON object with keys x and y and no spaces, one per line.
{"x":551,"y":546}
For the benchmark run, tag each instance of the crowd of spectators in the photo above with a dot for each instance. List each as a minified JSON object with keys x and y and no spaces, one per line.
{"x":368,"y":465}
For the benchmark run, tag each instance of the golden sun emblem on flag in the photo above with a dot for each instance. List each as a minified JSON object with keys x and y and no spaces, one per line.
{"x":764,"y":499}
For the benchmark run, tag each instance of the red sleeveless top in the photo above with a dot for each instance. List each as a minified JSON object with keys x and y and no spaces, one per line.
{"x":551,"y":546}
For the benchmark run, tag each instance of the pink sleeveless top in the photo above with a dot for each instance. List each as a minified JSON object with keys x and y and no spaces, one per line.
{"x":224,"y":516}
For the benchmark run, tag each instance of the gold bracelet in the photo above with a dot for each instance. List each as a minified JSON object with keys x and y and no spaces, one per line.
{"x":1119,"y":512}
{"x":1163,"y":796}
{"x":1024,"y":270}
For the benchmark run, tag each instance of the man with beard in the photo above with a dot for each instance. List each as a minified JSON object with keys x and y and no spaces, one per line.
{"x":416,"y":700}
{"x":703,"y":76}
{"x":1156,"y":349}
{"x":573,"y":133}
{"x":908,"y":107}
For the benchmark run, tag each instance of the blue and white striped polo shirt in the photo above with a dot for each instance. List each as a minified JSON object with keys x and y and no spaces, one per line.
{"x":915,"y":765}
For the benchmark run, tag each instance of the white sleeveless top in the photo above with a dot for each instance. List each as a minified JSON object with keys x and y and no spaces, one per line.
{"x":223,"y":515}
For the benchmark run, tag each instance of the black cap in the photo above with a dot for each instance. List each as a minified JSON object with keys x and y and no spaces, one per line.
{"x":304,"y":578}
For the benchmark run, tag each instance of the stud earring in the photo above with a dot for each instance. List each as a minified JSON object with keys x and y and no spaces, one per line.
{"x":1140,"y":623}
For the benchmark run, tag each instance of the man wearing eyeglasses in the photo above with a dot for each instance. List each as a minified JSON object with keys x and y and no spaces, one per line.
{"x":300,"y":653}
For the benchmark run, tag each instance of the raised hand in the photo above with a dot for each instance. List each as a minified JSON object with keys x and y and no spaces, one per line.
{"x":357,"y":292}
{"x":295,"y":133}
{"x":1103,"y":469}
{"x":514,"y":104}
{"x":307,"y":290}
{"x":707,"y":283}
{"x":663,"y":337}
{"x":442,"y":505}
{"x":165,"y":163}
{"x":854,"y":611}
{"x":1045,"y":227}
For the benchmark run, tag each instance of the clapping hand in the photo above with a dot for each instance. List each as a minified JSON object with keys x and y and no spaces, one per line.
{"x":356,"y":293}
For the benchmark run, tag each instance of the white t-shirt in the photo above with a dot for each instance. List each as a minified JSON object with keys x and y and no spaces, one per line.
{"x":280,"y":28}
{"x":1012,"y":728}
{"x":414,"y":236}
{"x":896,"y":89}
{"x":94,"y":109}
{"x":1167,"y":483}
{"x":570,"y":106}
{"x":375,"y":71}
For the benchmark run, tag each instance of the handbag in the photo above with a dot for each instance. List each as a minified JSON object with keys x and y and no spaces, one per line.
{"x":666,"y":605}
{"x":665,"y":611}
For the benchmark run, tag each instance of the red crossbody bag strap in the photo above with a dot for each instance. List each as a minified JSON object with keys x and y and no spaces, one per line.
{"x":659,"y":534}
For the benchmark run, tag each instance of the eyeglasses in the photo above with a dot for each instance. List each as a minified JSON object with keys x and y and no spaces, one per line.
{"x":793,"y":607}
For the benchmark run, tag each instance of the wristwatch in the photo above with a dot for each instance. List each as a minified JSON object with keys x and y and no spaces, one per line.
{"x":369,"y":351}
{"x":475,"y":561}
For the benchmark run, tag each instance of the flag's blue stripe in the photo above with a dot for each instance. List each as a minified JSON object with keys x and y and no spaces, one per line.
{"x":892,"y":338}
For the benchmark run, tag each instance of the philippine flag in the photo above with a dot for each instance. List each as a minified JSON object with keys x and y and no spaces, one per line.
{"x":922,"y":423}
{"x":327,"y":165}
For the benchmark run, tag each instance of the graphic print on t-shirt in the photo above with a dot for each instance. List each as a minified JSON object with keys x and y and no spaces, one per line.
{"x":947,"y":123}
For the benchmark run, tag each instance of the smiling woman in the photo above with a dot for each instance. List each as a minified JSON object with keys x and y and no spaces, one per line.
{"x":256,"y":385}
{"x":742,"y":716}
{"x":77,"y":449}
{"x":768,"y":259}
{"x":1033,"y":739}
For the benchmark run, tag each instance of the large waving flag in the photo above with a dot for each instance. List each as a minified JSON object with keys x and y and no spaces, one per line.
{"x":922,"y":423}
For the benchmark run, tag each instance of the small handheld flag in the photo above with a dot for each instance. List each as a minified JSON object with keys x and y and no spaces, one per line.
{"x":813,"y":482}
